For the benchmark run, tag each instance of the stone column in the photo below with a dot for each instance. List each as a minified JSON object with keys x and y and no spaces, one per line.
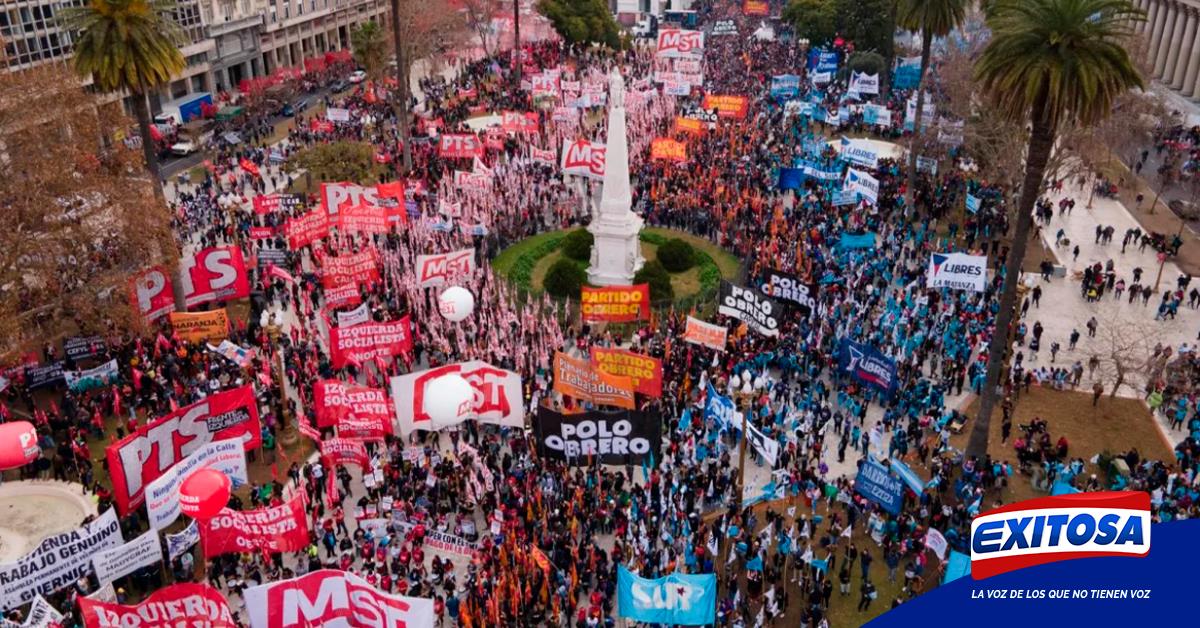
{"x":1193,"y":67}
{"x":1183,"y":16}
{"x":1165,"y":44}
{"x":1185,"y":51}
{"x":1158,"y":14}
{"x":1145,"y":6}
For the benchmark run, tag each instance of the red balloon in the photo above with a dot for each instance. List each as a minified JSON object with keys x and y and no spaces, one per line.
{"x":18,"y":444}
{"x":204,"y":493}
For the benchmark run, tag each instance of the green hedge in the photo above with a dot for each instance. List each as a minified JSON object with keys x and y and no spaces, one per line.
{"x":577,"y":245}
{"x":676,"y":255}
{"x":565,"y":278}
{"x":522,"y":270}
{"x":659,"y":279}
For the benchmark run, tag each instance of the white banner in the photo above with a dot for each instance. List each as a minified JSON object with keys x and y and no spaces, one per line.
{"x":360,"y":314}
{"x":442,"y":268}
{"x":498,"y":396}
{"x":863,"y":184}
{"x":336,"y":114}
{"x":936,"y":542}
{"x":128,"y":558}
{"x":864,"y":83}
{"x":41,"y":614}
{"x":162,"y":495}
{"x":958,"y":271}
{"x":766,"y":446}
{"x":858,"y":152}
{"x":177,"y":544}
{"x":584,"y":158}
{"x":58,"y":561}
{"x":336,"y":599}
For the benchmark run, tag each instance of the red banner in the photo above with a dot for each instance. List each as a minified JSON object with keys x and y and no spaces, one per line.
{"x":615,"y":304}
{"x":439,"y":269}
{"x":191,"y":605}
{"x":727,"y":106}
{"x":216,"y":274}
{"x":584,"y":158}
{"x":667,"y":148}
{"x":576,"y":378}
{"x":518,"y":123}
{"x":363,"y":219}
{"x":335,"y":451}
{"x":361,"y":343}
{"x":151,"y":293}
{"x":644,"y":371}
{"x":262,"y":233}
{"x":333,"y":598}
{"x":141,"y":457}
{"x":756,"y":7}
{"x":357,"y":268}
{"x":343,"y":295}
{"x":306,"y":229}
{"x":459,"y":146}
{"x":282,"y":528}
{"x":335,"y":400}
{"x":275,"y":202}
{"x":320,"y":125}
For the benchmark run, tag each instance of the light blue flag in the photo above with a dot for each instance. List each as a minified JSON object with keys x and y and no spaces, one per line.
{"x":682,"y":599}
{"x":718,"y":407}
{"x":973,"y":203}
{"x":755,"y":564}
{"x":957,"y":566}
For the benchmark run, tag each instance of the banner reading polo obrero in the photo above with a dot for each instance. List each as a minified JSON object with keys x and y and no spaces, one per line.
{"x":676,"y":42}
{"x":282,"y":528}
{"x":459,"y":146}
{"x":498,"y":397}
{"x":151,"y":293}
{"x":191,"y":605}
{"x":442,"y":268}
{"x":643,"y":371}
{"x":145,"y":455}
{"x":362,"y":343}
{"x":750,"y":306}
{"x":679,"y":599}
{"x":957,"y":271}
{"x":576,"y":378}
{"x":584,"y":158}
{"x":667,"y":148}
{"x":618,"y":437}
{"x":615,"y":304}
{"x":336,"y":599}
{"x":58,"y":561}
{"x":162,"y":495}
{"x":727,"y":106}
{"x":216,"y":274}
{"x":706,"y":334}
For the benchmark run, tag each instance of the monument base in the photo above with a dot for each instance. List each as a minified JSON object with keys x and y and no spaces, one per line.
{"x":616,"y":252}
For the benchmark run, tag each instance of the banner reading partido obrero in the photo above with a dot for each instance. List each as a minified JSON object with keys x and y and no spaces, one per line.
{"x":615,"y":304}
{"x":643,"y":371}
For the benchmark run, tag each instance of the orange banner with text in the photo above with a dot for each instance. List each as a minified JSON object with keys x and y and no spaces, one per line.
{"x":576,"y":378}
{"x":644,"y":371}
{"x":615,"y":304}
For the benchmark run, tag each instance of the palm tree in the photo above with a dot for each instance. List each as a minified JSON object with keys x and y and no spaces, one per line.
{"x":934,"y":18}
{"x":370,"y":46}
{"x":128,"y":46}
{"x":1049,"y":64}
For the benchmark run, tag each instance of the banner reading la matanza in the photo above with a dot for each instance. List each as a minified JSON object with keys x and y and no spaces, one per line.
{"x":615,"y":304}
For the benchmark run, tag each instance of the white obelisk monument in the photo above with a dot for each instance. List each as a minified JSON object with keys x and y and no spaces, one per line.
{"x":616,"y":254}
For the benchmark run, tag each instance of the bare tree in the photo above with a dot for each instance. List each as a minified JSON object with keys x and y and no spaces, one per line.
{"x":79,"y":212}
{"x":479,"y":14}
{"x":1124,"y":348}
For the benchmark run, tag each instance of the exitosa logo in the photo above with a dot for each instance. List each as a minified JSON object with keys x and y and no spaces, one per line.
{"x":1049,"y":529}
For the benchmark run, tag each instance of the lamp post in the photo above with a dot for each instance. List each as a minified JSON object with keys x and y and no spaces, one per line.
{"x":288,"y":435}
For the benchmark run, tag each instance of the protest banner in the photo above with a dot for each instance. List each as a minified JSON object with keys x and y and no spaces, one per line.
{"x":957,"y":271}
{"x":615,"y":304}
{"x":152,"y":294}
{"x":667,"y":148}
{"x":263,"y":233}
{"x":576,"y":378}
{"x":859,"y":152}
{"x":337,"y":114}
{"x":707,"y":116}
{"x":643,"y":371}
{"x":358,"y":268}
{"x":363,"y":219}
{"x":974,"y":203}
{"x":677,"y":42}
{"x":727,"y":106}
{"x":343,"y":295}
{"x":282,"y":528}
{"x":97,"y":377}
{"x":57,"y":561}
{"x":200,"y":326}
{"x":676,"y":87}
{"x":724,"y":28}
{"x":78,"y":348}
{"x":41,"y":615}
{"x":362,"y":343}
{"x":867,"y":365}
{"x":185,"y":604}
{"x":863,"y":83}
{"x":519,"y":123}
{"x":145,"y":455}
{"x":876,"y":484}
{"x":338,"y":599}
{"x":766,"y":446}
{"x":544,"y":157}
{"x":789,"y":288}
{"x":623,"y":437}
{"x":442,"y":268}
{"x":583,"y":158}
{"x":688,"y":125}
{"x":334,"y":399}
{"x":756,"y":7}
{"x":335,"y":451}
{"x":44,"y":376}
{"x":214,"y":274}
{"x":179,"y":543}
{"x":240,"y":356}
{"x":162,"y":494}
{"x":123,"y":560}
{"x":459,"y":146}
{"x":785,"y":86}
{"x":498,"y":395}
{"x":306,"y":229}
{"x":678,"y":599}
{"x":721,"y":410}
{"x":357,"y":316}
{"x":750,"y":306}
{"x":269,"y":203}
{"x":705,"y":334}
{"x":863,"y":184}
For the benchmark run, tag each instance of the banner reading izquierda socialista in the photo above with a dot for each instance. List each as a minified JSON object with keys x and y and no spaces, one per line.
{"x":191,"y":605}
{"x":282,"y":528}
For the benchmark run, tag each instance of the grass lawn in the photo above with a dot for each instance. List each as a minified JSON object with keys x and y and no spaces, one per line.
{"x":1115,"y":425}
{"x":503,"y":263}
{"x":726,"y":261}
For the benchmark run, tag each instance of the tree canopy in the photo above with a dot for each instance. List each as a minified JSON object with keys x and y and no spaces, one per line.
{"x":583,"y":21}
{"x":863,"y":22}
{"x":369,"y":43}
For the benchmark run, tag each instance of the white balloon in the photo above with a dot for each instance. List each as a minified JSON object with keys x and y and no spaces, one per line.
{"x":449,"y":400}
{"x":456,"y":303}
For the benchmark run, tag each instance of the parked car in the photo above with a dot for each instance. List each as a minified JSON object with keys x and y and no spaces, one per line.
{"x":294,"y":108}
{"x":358,"y":76}
{"x":339,"y":86}
{"x":184,"y":148}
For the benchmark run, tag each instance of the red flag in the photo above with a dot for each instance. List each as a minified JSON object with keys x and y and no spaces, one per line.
{"x":249,"y":167}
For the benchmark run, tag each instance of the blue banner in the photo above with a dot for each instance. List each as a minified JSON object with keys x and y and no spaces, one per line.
{"x":907,"y":74}
{"x":791,"y":178}
{"x":867,"y":365}
{"x":851,"y":242}
{"x":910,"y":477}
{"x":842,"y":197}
{"x":876,"y":484}
{"x":973,"y":203}
{"x":785,"y":86}
{"x":682,"y":599}
{"x":822,"y":61}
{"x":719,"y":408}
{"x":832,"y":172}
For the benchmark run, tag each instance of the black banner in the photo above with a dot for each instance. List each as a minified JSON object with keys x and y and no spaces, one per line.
{"x":707,"y":116}
{"x":624,"y":437}
{"x":44,"y":375}
{"x":782,"y":286}
{"x":268,"y":257}
{"x":751,"y":307}
{"x":82,"y":347}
